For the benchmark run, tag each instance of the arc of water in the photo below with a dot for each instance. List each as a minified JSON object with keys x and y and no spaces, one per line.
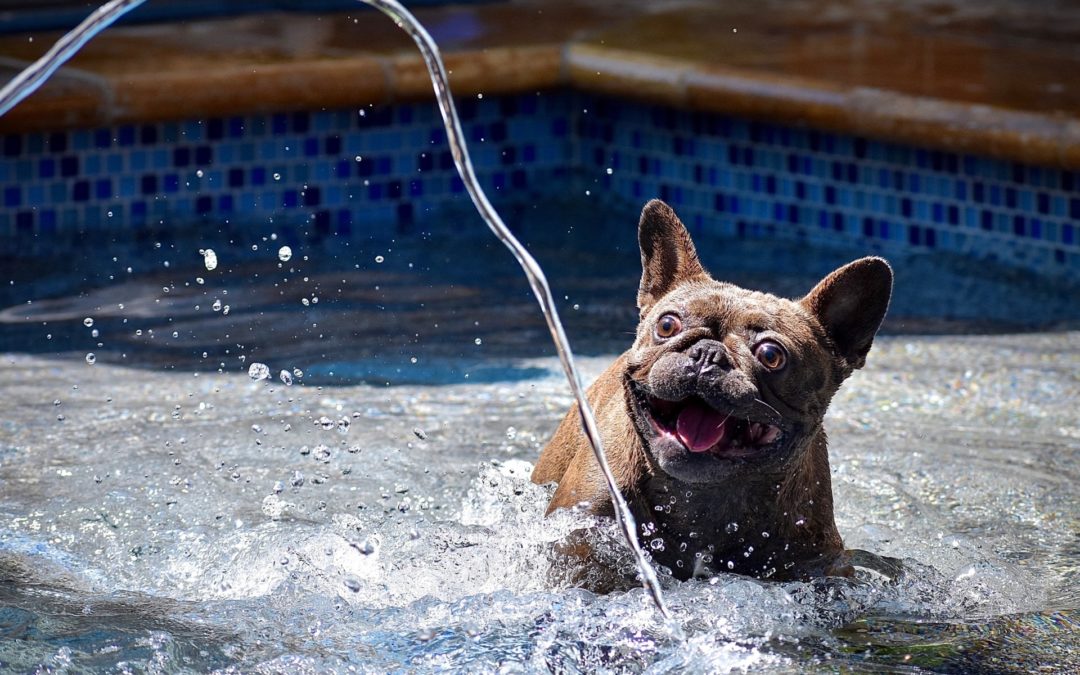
{"x":33,"y":76}
{"x":27,"y":82}
{"x":430,"y":51}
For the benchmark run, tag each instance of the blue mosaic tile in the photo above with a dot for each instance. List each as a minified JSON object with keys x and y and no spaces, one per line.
{"x":380,"y":169}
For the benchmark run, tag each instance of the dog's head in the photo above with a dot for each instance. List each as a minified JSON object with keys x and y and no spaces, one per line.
{"x":722,"y":381}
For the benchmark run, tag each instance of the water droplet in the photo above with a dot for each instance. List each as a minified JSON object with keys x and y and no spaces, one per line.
{"x":57,"y":402}
{"x":343,"y":425}
{"x":277,"y":176}
{"x":305,"y":302}
{"x":90,"y":358}
{"x":730,"y":565}
{"x":478,"y":342}
{"x":284,"y":254}
{"x":88,"y":322}
{"x":379,"y":258}
{"x":420,"y":433}
{"x":216,"y":306}
{"x":258,"y":371}
{"x":657,"y":544}
{"x":325,"y":422}
{"x":176,"y":334}
{"x":321,"y":454}
{"x":210,"y":259}
{"x":297,"y":479}
{"x":610,"y":171}
{"x":369,"y":546}
{"x":285,"y":377}
{"x":731,"y":528}
{"x":94,"y":333}
{"x":256,"y":428}
{"x":297,"y":373}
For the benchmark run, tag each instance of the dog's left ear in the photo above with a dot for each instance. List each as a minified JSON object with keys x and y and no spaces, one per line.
{"x":668,"y":257}
{"x":850,"y":303}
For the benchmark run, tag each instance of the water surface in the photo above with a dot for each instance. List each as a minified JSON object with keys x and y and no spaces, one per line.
{"x":161,"y":510}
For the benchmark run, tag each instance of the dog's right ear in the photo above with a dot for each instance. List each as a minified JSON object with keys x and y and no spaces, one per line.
{"x":668,"y":257}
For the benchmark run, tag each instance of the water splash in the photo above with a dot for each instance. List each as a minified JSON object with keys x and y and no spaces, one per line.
{"x":32,"y":77}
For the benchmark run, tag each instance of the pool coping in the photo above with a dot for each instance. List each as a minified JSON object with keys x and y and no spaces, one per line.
{"x":109,"y":91}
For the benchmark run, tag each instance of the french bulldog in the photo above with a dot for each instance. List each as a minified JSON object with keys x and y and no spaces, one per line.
{"x":712,"y":420}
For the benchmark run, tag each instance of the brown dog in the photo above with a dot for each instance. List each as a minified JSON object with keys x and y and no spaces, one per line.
{"x":712,"y":421}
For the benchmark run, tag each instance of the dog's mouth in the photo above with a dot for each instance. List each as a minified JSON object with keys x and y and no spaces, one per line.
{"x":702,"y":429}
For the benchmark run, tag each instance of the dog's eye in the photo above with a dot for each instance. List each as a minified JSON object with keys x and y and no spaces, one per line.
{"x":667,"y":326}
{"x":771,"y":355}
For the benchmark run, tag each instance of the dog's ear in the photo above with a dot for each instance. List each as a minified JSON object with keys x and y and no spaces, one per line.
{"x":668,"y":257}
{"x":850,"y":303}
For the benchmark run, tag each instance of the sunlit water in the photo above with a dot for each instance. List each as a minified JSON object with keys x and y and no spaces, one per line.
{"x":160,"y":509}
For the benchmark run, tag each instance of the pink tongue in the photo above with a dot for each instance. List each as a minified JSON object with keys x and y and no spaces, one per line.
{"x":699,"y":427}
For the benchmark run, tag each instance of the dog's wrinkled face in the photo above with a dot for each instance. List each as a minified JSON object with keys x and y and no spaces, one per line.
{"x":718,"y":380}
{"x":722,"y":381}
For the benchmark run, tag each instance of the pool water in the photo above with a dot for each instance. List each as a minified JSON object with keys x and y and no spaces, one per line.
{"x":161,"y":510}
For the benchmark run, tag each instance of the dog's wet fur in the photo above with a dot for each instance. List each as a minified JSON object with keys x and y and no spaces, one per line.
{"x":712,"y":420}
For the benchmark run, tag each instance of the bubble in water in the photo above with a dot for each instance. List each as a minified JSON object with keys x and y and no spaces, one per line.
{"x":285,"y":377}
{"x":88,"y":322}
{"x":511,"y":433}
{"x":176,"y":334}
{"x":420,"y":433}
{"x":297,"y":373}
{"x":478,"y":342}
{"x":343,"y":425}
{"x":352,"y":583}
{"x":94,"y":333}
{"x":368,"y":546}
{"x":325,"y":422}
{"x":90,"y":358}
{"x":321,"y":453}
{"x":210,"y":259}
{"x":258,"y":371}
{"x":277,"y":176}
{"x":379,"y":258}
{"x":284,"y":254}
{"x":297,"y":479}
{"x":216,"y":306}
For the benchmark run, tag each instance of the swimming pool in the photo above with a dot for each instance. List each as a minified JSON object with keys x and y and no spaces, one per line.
{"x":162,"y":509}
{"x":301,"y":440}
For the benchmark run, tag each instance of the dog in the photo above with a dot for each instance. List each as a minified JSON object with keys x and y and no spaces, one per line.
{"x":712,"y":420}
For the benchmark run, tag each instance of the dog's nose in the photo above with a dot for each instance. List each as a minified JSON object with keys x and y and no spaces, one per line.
{"x":709,"y":355}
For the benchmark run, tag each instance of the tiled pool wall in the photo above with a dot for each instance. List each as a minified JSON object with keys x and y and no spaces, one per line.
{"x":385,"y":171}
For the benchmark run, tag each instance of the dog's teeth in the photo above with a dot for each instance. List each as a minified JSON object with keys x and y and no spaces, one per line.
{"x":770,"y":435}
